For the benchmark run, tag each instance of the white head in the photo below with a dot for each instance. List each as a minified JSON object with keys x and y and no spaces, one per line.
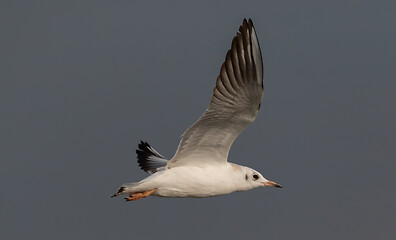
{"x":254,"y":179}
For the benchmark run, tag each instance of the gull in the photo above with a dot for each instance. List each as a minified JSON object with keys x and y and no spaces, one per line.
{"x":199,"y":167}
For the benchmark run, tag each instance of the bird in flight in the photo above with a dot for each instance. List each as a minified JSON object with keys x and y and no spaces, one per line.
{"x":200,"y":167}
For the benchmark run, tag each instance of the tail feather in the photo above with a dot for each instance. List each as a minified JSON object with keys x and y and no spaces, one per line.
{"x":126,"y":188}
{"x":149,"y":160}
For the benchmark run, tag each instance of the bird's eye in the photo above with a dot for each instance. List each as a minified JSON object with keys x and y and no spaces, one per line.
{"x":255,"y":177}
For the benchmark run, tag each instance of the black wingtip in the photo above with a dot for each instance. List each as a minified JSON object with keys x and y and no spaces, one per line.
{"x":246,"y":24}
{"x":143,"y":145}
{"x":149,"y":159}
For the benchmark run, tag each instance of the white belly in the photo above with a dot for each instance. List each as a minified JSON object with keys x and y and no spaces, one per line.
{"x":195,"y":181}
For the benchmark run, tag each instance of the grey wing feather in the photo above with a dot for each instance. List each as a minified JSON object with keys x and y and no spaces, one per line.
{"x":234,"y":104}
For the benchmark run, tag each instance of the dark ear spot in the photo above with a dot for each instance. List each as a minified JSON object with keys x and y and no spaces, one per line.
{"x":246,"y":177}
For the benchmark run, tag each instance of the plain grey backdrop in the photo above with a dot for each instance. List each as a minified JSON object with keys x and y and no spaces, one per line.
{"x":82,"y":82}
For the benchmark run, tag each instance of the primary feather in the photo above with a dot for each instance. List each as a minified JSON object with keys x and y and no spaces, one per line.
{"x":234,"y":104}
{"x":150,"y":160}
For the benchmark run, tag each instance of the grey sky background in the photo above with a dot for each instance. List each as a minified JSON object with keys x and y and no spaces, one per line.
{"x":82,"y":82}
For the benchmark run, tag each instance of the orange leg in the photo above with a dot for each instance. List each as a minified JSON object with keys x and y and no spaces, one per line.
{"x":140,"y":195}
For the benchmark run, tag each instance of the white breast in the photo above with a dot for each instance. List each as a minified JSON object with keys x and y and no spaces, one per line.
{"x":193,"y":181}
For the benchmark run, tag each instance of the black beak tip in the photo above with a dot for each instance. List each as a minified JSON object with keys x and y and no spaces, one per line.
{"x":278,"y":186}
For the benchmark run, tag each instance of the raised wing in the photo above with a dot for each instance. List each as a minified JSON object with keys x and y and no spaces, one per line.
{"x":234,"y":104}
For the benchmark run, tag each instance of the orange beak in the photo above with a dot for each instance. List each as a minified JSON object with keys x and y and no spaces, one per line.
{"x":272,"y":184}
